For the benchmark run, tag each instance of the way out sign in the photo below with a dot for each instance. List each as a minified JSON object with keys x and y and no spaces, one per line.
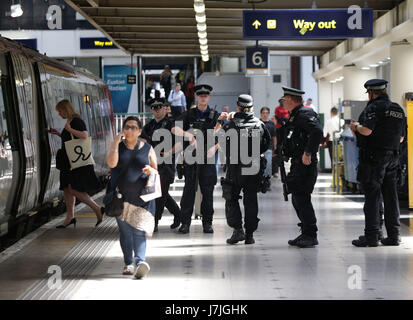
{"x":131,"y":79}
{"x":257,"y":61}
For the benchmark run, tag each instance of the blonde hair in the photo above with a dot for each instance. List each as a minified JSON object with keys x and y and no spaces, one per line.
{"x":66,"y":106}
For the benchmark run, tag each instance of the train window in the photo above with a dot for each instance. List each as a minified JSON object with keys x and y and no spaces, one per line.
{"x":4,"y":141}
{"x":6,"y":156}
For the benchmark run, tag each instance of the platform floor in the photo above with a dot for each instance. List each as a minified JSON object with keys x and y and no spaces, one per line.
{"x":203,"y":266}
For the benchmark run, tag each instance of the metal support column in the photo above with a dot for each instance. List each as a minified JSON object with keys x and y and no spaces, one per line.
{"x":195,"y":70}
{"x":139,"y":84}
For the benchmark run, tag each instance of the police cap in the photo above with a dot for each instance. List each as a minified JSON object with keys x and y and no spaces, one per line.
{"x":202,"y":89}
{"x":375,"y":84}
{"x":245,"y":101}
{"x":292,"y":92}
{"x":156,"y":104}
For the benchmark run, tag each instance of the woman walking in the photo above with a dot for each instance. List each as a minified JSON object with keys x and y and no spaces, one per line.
{"x":77,"y":182}
{"x":140,"y":159}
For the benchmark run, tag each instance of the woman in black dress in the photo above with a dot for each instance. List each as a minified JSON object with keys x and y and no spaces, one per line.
{"x":77,"y":182}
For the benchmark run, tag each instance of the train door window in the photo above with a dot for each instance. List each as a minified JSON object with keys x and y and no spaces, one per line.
{"x":83,"y":112}
{"x":6,"y":157}
{"x":23,"y":72}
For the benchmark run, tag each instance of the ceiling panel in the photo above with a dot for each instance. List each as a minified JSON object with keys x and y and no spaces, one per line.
{"x":169,"y":27}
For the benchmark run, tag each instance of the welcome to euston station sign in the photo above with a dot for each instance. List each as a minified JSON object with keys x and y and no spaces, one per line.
{"x":354,"y":22}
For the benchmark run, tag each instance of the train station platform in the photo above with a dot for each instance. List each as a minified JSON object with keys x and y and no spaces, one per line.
{"x":203,"y":266}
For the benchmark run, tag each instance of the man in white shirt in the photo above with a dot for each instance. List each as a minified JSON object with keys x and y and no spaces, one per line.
{"x":177,"y":100}
{"x":309,"y":104}
{"x":332,"y":125}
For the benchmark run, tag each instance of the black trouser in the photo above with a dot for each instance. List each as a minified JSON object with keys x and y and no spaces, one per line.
{"x":207,"y":179}
{"x":301,"y":180}
{"x":330,"y":151}
{"x":377,"y":173}
{"x":176,"y":111}
{"x":166,"y":200}
{"x":233,"y":210}
{"x":276,"y":163}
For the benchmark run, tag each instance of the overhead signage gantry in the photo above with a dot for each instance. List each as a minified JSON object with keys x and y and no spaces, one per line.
{"x":353,"y":22}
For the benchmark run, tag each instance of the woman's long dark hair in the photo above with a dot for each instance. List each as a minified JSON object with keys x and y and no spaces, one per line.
{"x":132,"y":118}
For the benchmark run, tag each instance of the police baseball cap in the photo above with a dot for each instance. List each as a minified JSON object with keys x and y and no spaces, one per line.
{"x":375,"y":84}
{"x":202,"y":89}
{"x":157,"y":105}
{"x":245,"y":101}
{"x":292,"y":92}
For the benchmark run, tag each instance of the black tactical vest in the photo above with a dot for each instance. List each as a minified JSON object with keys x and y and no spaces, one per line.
{"x":389,"y":126}
{"x":295,"y":138}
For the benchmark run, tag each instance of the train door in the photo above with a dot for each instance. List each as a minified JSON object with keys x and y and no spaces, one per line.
{"x":52,"y":85}
{"x":29,"y":119}
{"x":7,"y":187}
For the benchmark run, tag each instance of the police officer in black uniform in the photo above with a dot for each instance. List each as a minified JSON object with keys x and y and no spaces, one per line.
{"x":201,"y":119}
{"x":303,"y":136}
{"x":236,"y":180}
{"x":166,"y":169}
{"x":379,"y":132}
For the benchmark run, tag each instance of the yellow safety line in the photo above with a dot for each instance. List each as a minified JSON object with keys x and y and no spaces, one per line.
{"x":409,"y":106}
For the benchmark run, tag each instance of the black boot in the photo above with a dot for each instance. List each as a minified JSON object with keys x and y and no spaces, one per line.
{"x":294,"y":241}
{"x":207,"y":228}
{"x":176,"y":223}
{"x":367,"y":241}
{"x":156,"y":226}
{"x":237,"y":235}
{"x":249,"y":239}
{"x":184,"y":228}
{"x":307,"y":241}
{"x":380,"y":236}
{"x":391,"y":241}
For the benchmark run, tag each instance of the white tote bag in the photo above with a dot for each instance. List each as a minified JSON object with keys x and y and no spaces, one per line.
{"x":153,"y":188}
{"x":79,"y":152}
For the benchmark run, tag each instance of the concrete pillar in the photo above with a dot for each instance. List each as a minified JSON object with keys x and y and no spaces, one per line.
{"x":353,"y":82}
{"x":324,"y":96}
{"x":324,"y":106}
{"x":401,"y":71}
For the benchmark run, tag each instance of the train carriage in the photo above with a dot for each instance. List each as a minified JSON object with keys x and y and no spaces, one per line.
{"x":31,"y":86}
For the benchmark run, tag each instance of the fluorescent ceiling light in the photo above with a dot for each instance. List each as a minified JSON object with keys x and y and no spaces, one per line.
{"x":204,"y":47}
{"x":333,"y":81}
{"x":202,"y":35}
{"x":203,"y":41}
{"x":200,"y":17}
{"x":365,"y":68}
{"x":199,"y":6}
{"x":16,"y":10}
{"x":201,"y":26}
{"x":380,"y":62}
{"x":373,"y":65}
{"x":205,"y":58}
{"x":204,"y":52}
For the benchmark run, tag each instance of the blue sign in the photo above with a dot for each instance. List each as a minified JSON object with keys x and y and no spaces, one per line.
{"x":32,"y":43}
{"x":96,"y":43}
{"x":120,"y":91}
{"x":308,"y":23}
{"x":257,"y":60}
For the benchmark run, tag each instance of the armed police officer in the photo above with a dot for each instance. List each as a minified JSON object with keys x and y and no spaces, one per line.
{"x":244,"y":174}
{"x":379,"y":132}
{"x":303,"y":135}
{"x":200,"y":121}
{"x":166,"y":169}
